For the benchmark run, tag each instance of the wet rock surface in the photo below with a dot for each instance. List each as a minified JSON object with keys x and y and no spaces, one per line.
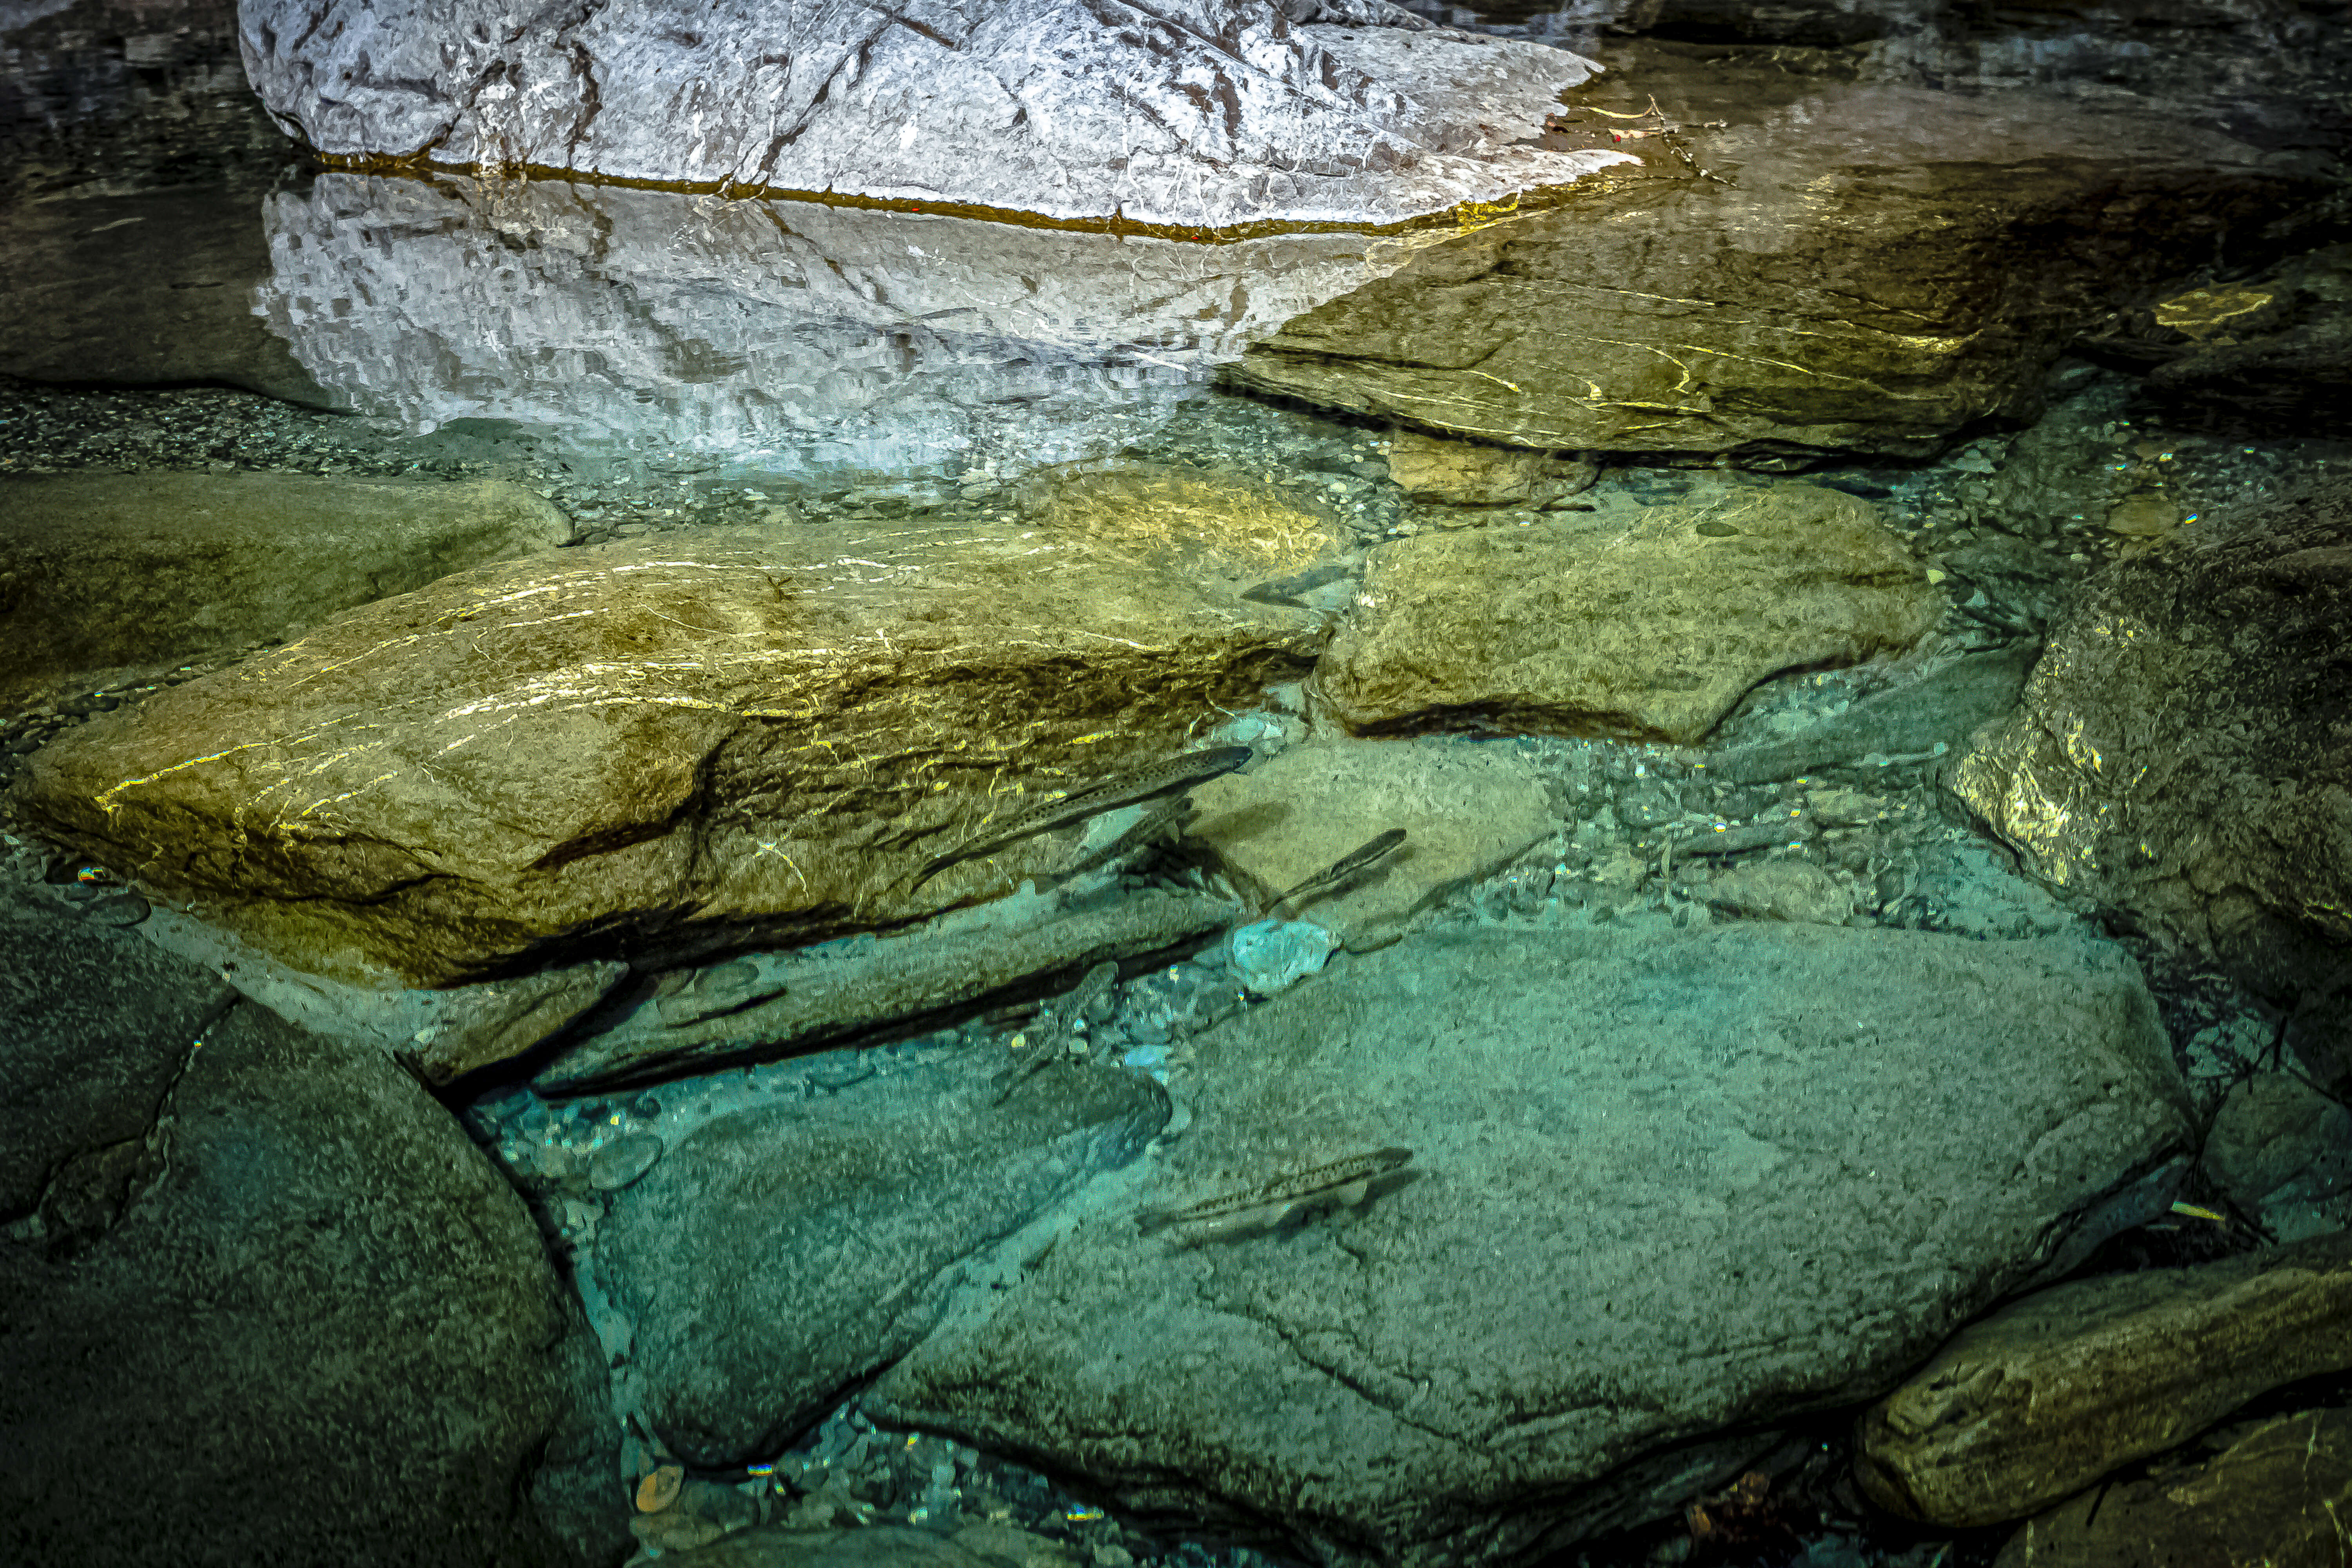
{"x":753,"y":729}
{"x":775,"y":1258}
{"x":1465,"y":818}
{"x":759,"y":1006}
{"x":2272,"y":1490}
{"x":243,"y":1242}
{"x":2180,"y":752}
{"x":1621,"y":624}
{"x":1419,"y":1379}
{"x":1872,"y":268}
{"x":2046,"y":1396}
{"x":101,"y":573}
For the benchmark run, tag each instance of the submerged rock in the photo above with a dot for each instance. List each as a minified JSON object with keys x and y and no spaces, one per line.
{"x":1662,"y":1188}
{"x":1642,"y":624}
{"x":778,"y":1255}
{"x":104,"y":571}
{"x":274,"y":1280}
{"x":1872,"y":268}
{"x":2281,"y":1152}
{"x":2182,"y":752}
{"x":762,"y":1006}
{"x":715,"y":739}
{"x":1465,"y":816}
{"x":1197,"y":112}
{"x":2047,"y":1395}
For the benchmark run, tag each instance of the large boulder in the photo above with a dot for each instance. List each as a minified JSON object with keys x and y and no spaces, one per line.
{"x":273,"y":1280}
{"x":1196,"y":113}
{"x":1666,"y":1190}
{"x":1641,"y":624}
{"x":2183,"y":752}
{"x":1870,"y":267}
{"x":2047,"y":1395}
{"x":102,"y":571}
{"x":714,"y":739}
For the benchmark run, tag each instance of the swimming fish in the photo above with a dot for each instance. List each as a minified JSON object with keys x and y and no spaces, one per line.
{"x":1166,"y":776}
{"x":1148,"y":828}
{"x":1345,"y":866}
{"x":1341,"y":1181}
{"x":1052,"y":1042}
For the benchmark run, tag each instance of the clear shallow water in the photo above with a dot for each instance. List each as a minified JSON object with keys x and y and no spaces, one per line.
{"x":652,"y":362}
{"x":786,"y":338}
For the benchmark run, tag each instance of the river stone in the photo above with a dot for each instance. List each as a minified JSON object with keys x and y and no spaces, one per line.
{"x":1885,"y":265}
{"x":273,"y":1280}
{"x":1189,"y":114}
{"x":1797,"y":1159}
{"x":2273,"y":1491}
{"x":1472,"y":473}
{"x":759,"y":1006}
{"x":2281,"y":1152}
{"x":725,"y":737}
{"x":1945,"y":706}
{"x":778,"y":1256}
{"x":99,"y":572}
{"x":2050,"y":1393}
{"x":2182,"y":751}
{"x":1466,"y":814}
{"x":144,"y":289}
{"x":1646,"y":624}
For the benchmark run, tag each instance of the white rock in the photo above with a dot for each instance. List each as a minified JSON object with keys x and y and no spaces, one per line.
{"x":1191,"y":112}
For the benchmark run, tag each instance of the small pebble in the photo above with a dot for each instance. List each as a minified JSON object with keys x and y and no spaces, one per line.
{"x":618,"y":1164}
{"x":660,"y":1488}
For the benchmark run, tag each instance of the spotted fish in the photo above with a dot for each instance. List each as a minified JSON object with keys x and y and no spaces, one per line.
{"x":1343,"y":1182}
{"x":1344,"y":868}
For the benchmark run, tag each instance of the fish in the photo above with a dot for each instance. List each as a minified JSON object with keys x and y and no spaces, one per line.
{"x":1053,"y":1041}
{"x":1345,"y":866}
{"x":1167,"y":776}
{"x":1344,"y":1181}
{"x":1148,"y":828}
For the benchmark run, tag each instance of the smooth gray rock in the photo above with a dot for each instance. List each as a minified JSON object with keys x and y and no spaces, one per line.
{"x":776,"y":1257}
{"x":1944,"y":706}
{"x":275,"y":1282}
{"x":1665,"y":1188}
{"x":1194,"y":113}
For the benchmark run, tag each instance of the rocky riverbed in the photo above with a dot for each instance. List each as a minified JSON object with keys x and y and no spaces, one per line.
{"x":697,"y":878}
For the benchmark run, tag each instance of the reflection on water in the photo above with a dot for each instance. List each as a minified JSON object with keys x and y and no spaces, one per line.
{"x":791,"y":337}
